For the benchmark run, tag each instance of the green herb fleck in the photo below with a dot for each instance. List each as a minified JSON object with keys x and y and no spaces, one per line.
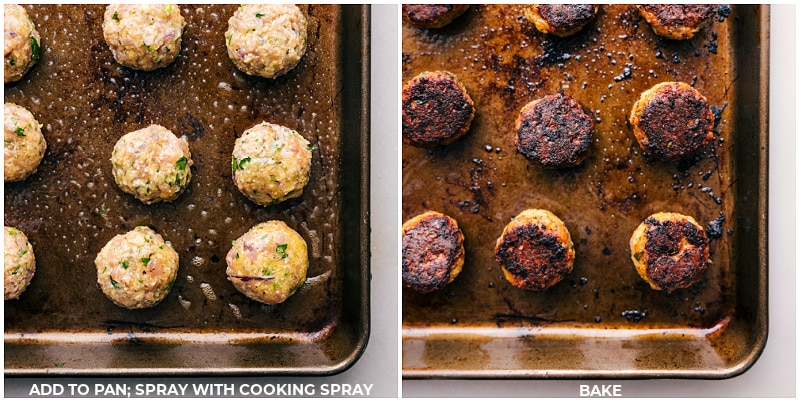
{"x":125,"y":265}
{"x":181,"y":163}
{"x":243,"y":161}
{"x":22,"y":252}
{"x":16,"y":270}
{"x":169,"y":8}
{"x":274,"y":286}
{"x":114,"y":283}
{"x":259,"y":15}
{"x":145,"y":260}
{"x":229,"y":37}
{"x":234,"y":164}
{"x":34,"y":49}
{"x":638,"y":256}
{"x":12,"y":232}
{"x":13,"y":62}
{"x":282,"y":250}
{"x":233,"y":242}
{"x":267,"y":272}
{"x":237,"y":256}
{"x":101,"y":212}
{"x":115,"y":17}
{"x":312,"y":147}
{"x":59,"y":364}
{"x":19,"y":131}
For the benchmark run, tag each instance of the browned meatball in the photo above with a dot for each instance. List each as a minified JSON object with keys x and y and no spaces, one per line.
{"x":670,"y":251}
{"x":560,"y":19}
{"x":554,"y":131}
{"x":676,"y":21}
{"x":432,"y":15}
{"x":437,"y":109}
{"x":535,"y":250}
{"x":671,"y":120}
{"x":433,"y":251}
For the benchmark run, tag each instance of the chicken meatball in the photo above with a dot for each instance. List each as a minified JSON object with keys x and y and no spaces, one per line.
{"x":671,"y":120}
{"x":152,"y":164}
{"x":271,"y":163}
{"x":432,"y":15}
{"x":535,"y":250}
{"x":137,"y":269}
{"x":21,"y":42}
{"x":676,"y":21}
{"x":268,"y":263}
{"x":266,"y":40}
{"x":19,"y":264}
{"x":560,"y":19}
{"x":554,"y":131}
{"x":670,"y":251}
{"x":23,"y":143}
{"x":143,"y":36}
{"x":433,"y":251}
{"x":437,"y":109}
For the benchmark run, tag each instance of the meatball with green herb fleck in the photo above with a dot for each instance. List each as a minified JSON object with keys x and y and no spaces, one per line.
{"x":268,"y":263}
{"x":143,"y":36}
{"x":137,"y":269}
{"x":266,"y":40}
{"x":23,"y":143}
{"x":271,"y":163}
{"x":19,"y":264}
{"x":152,"y":164}
{"x":21,"y":43}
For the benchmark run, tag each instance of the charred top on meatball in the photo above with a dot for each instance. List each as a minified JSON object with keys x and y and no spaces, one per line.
{"x":432,"y":15}
{"x":566,"y":17}
{"x":432,"y":246}
{"x":436,"y":109}
{"x":554,"y":131}
{"x":677,"y":21}
{"x":671,"y":263}
{"x":534,"y":255}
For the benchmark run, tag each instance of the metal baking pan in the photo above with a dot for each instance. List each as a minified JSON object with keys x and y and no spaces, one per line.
{"x":602,"y":321}
{"x":71,"y":207}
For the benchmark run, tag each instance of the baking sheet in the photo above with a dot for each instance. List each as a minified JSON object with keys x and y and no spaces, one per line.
{"x":602,"y":320}
{"x":71,"y":207}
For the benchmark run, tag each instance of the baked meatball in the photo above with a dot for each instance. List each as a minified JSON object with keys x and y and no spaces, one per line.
{"x":271,"y":163}
{"x":433,"y":251}
{"x":432,"y":15}
{"x":137,"y":269}
{"x":19,"y":264}
{"x":23,"y":143}
{"x":21,"y":41}
{"x":670,"y":251}
{"x":560,"y":19}
{"x":268,"y":263}
{"x":143,"y":36}
{"x":152,"y":164}
{"x":535,"y":250}
{"x":266,"y":39}
{"x":554,"y":131}
{"x":437,"y":109}
{"x":671,"y":120}
{"x":676,"y":21}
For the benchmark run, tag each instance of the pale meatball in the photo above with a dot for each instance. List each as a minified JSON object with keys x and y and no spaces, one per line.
{"x":21,"y":42}
{"x":19,"y":264}
{"x":152,"y":164}
{"x":137,"y":269}
{"x":267,"y":40}
{"x":271,"y":163}
{"x":23,"y":143}
{"x":268,"y":263}
{"x":143,"y":36}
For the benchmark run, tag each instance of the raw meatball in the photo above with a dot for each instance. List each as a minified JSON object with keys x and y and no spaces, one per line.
{"x":433,"y":251}
{"x":21,"y":42}
{"x":266,"y":39}
{"x":268,"y":263}
{"x":271,"y":163}
{"x":432,"y":15}
{"x":19,"y":264}
{"x":143,"y":36}
{"x":560,"y":19}
{"x":152,"y":164}
{"x":670,"y":251}
{"x":137,"y":269}
{"x":676,"y":21}
{"x":437,"y":109}
{"x":671,"y":120}
{"x":23,"y":143}
{"x":554,"y":131}
{"x":535,"y":250}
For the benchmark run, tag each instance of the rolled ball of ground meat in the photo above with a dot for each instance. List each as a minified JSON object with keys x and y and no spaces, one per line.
{"x":143,"y":36}
{"x":24,"y":145}
{"x":19,"y":263}
{"x":21,"y":42}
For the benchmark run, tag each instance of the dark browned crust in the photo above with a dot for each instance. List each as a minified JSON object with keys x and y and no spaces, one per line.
{"x":436,"y":109}
{"x":566,"y":17}
{"x":555,"y":132}
{"x":678,"y":15}
{"x":431,"y":249}
{"x":677,"y":121}
{"x":664,"y":240}
{"x":534,"y":255}
{"x":432,"y":15}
